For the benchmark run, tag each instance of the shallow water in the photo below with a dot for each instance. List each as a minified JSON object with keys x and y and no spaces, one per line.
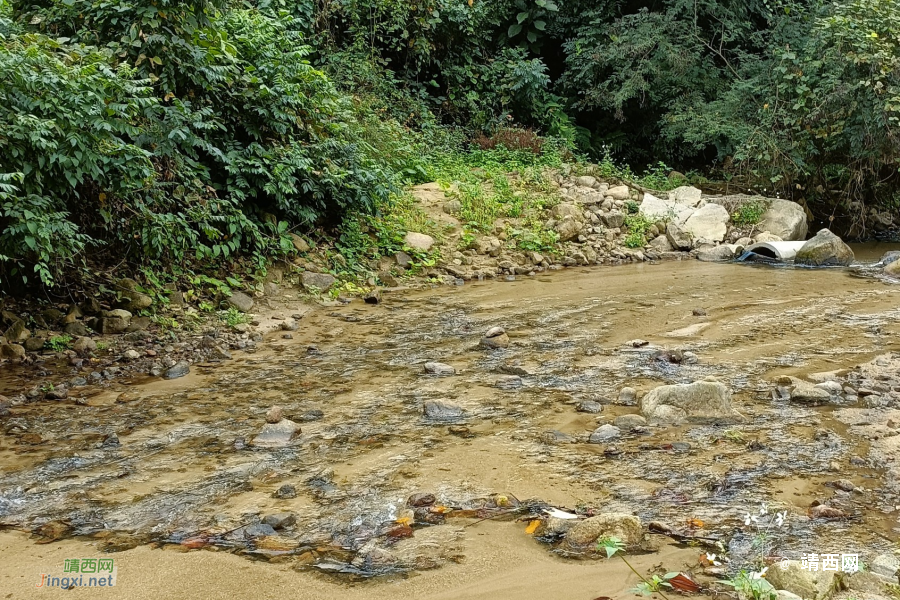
{"x":185,"y":472}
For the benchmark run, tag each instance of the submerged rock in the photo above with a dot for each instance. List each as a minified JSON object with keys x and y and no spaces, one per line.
{"x":276,"y":435}
{"x":698,"y":402}
{"x":441,"y":369}
{"x":824,"y":250}
{"x":442,"y":411}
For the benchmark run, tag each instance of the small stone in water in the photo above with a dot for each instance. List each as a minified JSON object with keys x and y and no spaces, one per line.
{"x":436,"y":368}
{"x":285,"y":492}
{"x":258,"y":530}
{"x":589,"y":406}
{"x":275,"y":414}
{"x":280,"y":520}
{"x":179,"y":369}
{"x":421,"y":499}
{"x":311,"y":415}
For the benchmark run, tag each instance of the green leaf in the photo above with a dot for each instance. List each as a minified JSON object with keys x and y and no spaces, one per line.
{"x":514,"y":30}
{"x":522,"y":16}
{"x":540,"y":25}
{"x":532,"y":37}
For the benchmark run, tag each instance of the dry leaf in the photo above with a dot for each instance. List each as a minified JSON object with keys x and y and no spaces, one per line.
{"x":532,"y":527}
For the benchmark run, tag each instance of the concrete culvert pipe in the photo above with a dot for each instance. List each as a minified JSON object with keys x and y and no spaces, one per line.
{"x":783,"y":251}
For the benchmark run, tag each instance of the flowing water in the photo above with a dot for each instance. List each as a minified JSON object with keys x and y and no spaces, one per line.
{"x":186,"y":475}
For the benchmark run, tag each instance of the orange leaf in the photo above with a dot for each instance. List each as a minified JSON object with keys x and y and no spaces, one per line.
{"x":532,"y":527}
{"x":695,"y":523}
{"x":403,"y":521}
{"x":684,"y":583}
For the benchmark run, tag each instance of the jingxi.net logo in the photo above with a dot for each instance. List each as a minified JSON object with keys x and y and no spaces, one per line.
{"x":81,"y":572}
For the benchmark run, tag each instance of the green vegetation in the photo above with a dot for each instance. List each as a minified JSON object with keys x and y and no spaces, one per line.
{"x":637,"y":226}
{"x":59,"y":343}
{"x":233,"y":317}
{"x":613,"y":546}
{"x":751,"y":586}
{"x":749,"y":213}
{"x":179,"y":140}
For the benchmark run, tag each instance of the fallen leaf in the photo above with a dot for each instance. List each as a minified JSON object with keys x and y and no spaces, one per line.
{"x":403,"y":521}
{"x":683,"y":583}
{"x":532,"y":527}
{"x":695,"y":523}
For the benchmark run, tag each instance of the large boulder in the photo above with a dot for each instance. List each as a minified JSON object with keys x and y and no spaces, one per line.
{"x":678,"y":237}
{"x":698,"y":402}
{"x":584,"y":534}
{"x":12,"y":352}
{"x":785,"y":219}
{"x":824,"y":250}
{"x":656,"y":209}
{"x":686,"y":194}
{"x":619,"y":192}
{"x":708,"y":222}
{"x":810,"y":585}
{"x":568,"y":228}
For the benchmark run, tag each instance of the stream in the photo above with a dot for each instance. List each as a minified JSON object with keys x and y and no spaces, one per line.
{"x":173,"y":464}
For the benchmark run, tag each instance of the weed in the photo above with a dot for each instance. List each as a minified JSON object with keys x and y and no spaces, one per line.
{"x":206,"y":306}
{"x":165,"y":322}
{"x":637,"y":226}
{"x":749,"y":213}
{"x":632,"y":207}
{"x":102,"y":346}
{"x":614,"y":546}
{"x":751,"y":586}
{"x":59,"y":343}
{"x":233,"y":317}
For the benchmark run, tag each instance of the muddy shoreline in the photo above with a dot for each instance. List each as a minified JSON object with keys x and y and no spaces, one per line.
{"x":184,"y":466}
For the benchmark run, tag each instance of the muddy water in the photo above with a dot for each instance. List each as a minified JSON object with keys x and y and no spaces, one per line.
{"x":185,"y":473}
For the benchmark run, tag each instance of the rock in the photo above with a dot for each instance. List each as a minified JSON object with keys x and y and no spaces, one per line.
{"x":274,"y":414}
{"x":276,"y":435}
{"x":131,"y":354}
{"x":630,"y":422}
{"x":373,"y":297}
{"x":686,"y":194}
{"x":888,"y":257}
{"x":138,"y":324}
{"x":589,"y":406}
{"x":240,"y":301}
{"x":698,"y":402}
{"x":84,"y":346}
{"x":300,"y":244}
{"x":219,"y":353}
{"x":823,"y":511}
{"x":627,"y":396}
{"x":656,"y":209}
{"x":179,"y":369}
{"x":76,"y":329}
{"x":810,"y":585}
{"x":803,"y":391}
{"x":289,"y":325}
{"x":586,"y":181}
{"x":885,"y":565}
{"x":604,"y":433}
{"x":112,"y":325}
{"x":452,"y":207}
{"x":442,"y":411}
{"x":892,"y":269}
{"x":17,"y":332}
{"x":319,"y":282}
{"x":619,"y":192}
{"x":285,"y":492}
{"x":131,"y":297}
{"x":786,"y":595}
{"x":34,"y":344}
{"x":311,"y":415}
{"x":12,"y":352}
{"x":678,"y":237}
{"x":90,"y":306}
{"x":404,"y":260}
{"x":257,"y":530}
{"x":765,"y":236}
{"x":441,"y":369}
{"x":495,"y":338}
{"x":708,"y":222}
{"x":420,"y":499}
{"x":568,"y":228}
{"x":280,"y":520}
{"x":785,"y":219}
{"x":825,"y":249}
{"x":661,"y":243}
{"x":613,"y":219}
{"x":119,"y":314}
{"x":418,"y":241}
{"x":584,"y":534}
{"x":722,"y":253}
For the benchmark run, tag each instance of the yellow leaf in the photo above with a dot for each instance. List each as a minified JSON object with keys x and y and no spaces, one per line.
{"x":404,"y":520}
{"x":102,"y":198}
{"x":532,"y":527}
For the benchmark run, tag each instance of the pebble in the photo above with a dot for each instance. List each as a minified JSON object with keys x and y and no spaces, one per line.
{"x":440,"y":369}
{"x":604,"y":433}
{"x":285,"y":492}
{"x":275,"y":414}
{"x":442,"y":411}
{"x":627,"y":396}
{"x":280,"y":520}
{"x":179,"y":369}
{"x":589,"y":406}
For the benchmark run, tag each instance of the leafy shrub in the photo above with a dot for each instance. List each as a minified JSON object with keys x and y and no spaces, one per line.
{"x":748,"y":213}
{"x":59,"y":343}
{"x":637,"y":226}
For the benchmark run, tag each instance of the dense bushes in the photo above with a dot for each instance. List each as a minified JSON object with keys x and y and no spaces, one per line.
{"x":173,"y":131}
